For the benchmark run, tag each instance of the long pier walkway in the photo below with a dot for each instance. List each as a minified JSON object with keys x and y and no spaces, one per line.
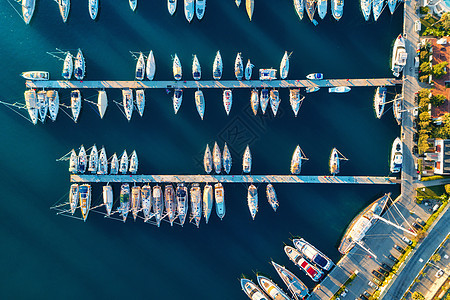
{"x":205,"y":84}
{"x":233,"y":179}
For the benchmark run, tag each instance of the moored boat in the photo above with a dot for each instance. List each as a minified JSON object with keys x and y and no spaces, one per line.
{"x":123,"y":166}
{"x":272,"y":196}
{"x":42,"y":105}
{"x":238,"y":2}
{"x":140,"y":67}
{"x":200,"y":103}
{"x":399,"y":56}
{"x":177,"y":99}
{"x":398,"y":104}
{"x":238,"y":67}
{"x":249,"y":6}
{"x":73,"y":197}
{"x":207,"y":160}
{"x":108,"y":199}
{"x":267,"y":74}
{"x":392,"y":4}
{"x":93,"y":160}
{"x":310,"y":7}
{"x":339,"y":89}
{"x":68,"y":66}
{"x":124,"y":199}
{"x":217,"y":66}
{"x":158,"y":204}
{"x":189,"y":10}
{"x":337,"y":9}
{"x":135,"y":200}
{"x":322,"y":8}
{"x":93,"y":8}
{"x":134,"y":162}
{"x":31,"y":103}
{"x":102,"y":162}
{"x":219,"y":196}
{"x":274,"y":101}
{"x":28,"y":10}
{"x":133,"y":4}
{"x":312,"y":89}
{"x":182,"y":202}
{"x":379,"y":101}
{"x":227,"y":101}
{"x":146,"y":201}
{"x":196,"y":69}
{"x":82,"y":160}
{"x":271,"y":288}
{"x":226,"y":159}
{"x":248,"y":70}
{"x":314,"y":76}
{"x":85,"y":200}
{"x":150,"y":68}
{"x":36,"y":75}
{"x":247,"y":161}
{"x":53,"y":104}
{"x":298,"y":289}
{"x":296,"y":257}
{"x":252,"y":290}
{"x":396,"y":156}
{"x":128,"y":105}
{"x":73,"y":162}
{"x":299,"y":7}
{"x":295,"y":100}
{"x":79,"y":66}
{"x":75,"y":104}
{"x":377,"y":7}
{"x":140,"y":101}
{"x":207,"y":202}
{"x":312,"y":254}
{"x":176,"y":68}
{"x":366,"y":8}
{"x":102,"y":103}
{"x":254,"y":102}
{"x":252,"y":200}
{"x":334,"y":162}
{"x":217,"y":158}
{"x":114,"y":165}
{"x":296,"y":161}
{"x":264,"y":100}
{"x":196,"y":204}
{"x":170,"y":204}
{"x":172,"y":7}
{"x":200,"y":6}
{"x":284,"y":65}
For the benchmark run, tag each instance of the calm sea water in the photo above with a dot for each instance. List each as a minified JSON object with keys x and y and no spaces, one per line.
{"x":44,"y":255}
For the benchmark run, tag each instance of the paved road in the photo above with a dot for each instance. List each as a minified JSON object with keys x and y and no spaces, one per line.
{"x":420,"y":184}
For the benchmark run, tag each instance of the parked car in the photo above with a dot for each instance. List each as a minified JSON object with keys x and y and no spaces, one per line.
{"x":377,"y":281}
{"x":373,"y":285}
{"x":363,"y":297}
{"x":378,"y":275}
{"x":420,"y":222}
{"x":393,"y":258}
{"x":406,"y":240}
{"x":386,"y":267}
{"x":417,"y":226}
{"x":383,"y":271}
{"x":439,"y":273}
{"x":367,"y":294}
{"x":399,"y":249}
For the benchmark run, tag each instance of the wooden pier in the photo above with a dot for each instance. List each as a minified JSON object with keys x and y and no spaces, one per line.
{"x":209,"y":84}
{"x":77,"y":178}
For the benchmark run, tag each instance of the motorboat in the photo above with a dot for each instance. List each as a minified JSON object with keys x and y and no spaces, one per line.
{"x":170,"y":204}
{"x":200,"y":6}
{"x":150,"y":68}
{"x":182,"y":202}
{"x":249,"y":5}
{"x":315,"y":76}
{"x":108,"y":199}
{"x":298,"y":289}
{"x":299,"y":7}
{"x":366,"y":8}
{"x":271,"y":288}
{"x":377,"y":7}
{"x":68,"y":65}
{"x":82,"y":160}
{"x":73,"y":162}
{"x":133,"y":4}
{"x":135,"y":200}
{"x":254,"y":102}
{"x":196,"y":204}
{"x":264,"y":100}
{"x":296,"y":161}
{"x":146,"y":201}
{"x":252,"y":200}
{"x":274,"y":101}
{"x":85,"y":200}
{"x":272,"y":196}
{"x":177,"y":71}
{"x":334,"y":162}
{"x":392,"y":5}
{"x":252,"y":290}
{"x":357,"y":229}
{"x":31,"y":103}
{"x":64,"y":8}
{"x":339,"y":89}
{"x":207,"y":160}
{"x":128,"y":105}
{"x":36,"y":75}
{"x":114,"y":165}
{"x":313,"y":255}
{"x":28,"y":10}
{"x":74,"y":197}
{"x":219,"y":196}
{"x":322,"y":8}
{"x":337,"y":9}
{"x":158,"y":204}
{"x":247,"y":161}
{"x":248,"y":70}
{"x":196,"y":69}
{"x":75,"y":104}
{"x":200,"y":103}
{"x":398,"y":104}
{"x":238,"y":2}
{"x":296,"y":257}
{"x":227,"y":101}
{"x":295,"y":99}
{"x":79,"y":66}
{"x":310,"y":7}
{"x":396,"y":156}
{"x":177,"y":99}
{"x":207,"y":202}
{"x":123,"y":166}
{"x":102,"y":103}
{"x":42,"y":105}
{"x":238,"y":67}
{"x":102,"y":162}
{"x":124,"y":199}
{"x":93,"y":160}
{"x":226,"y":159}
{"x":312,"y":89}
{"x":379,"y":101}
{"x":93,"y":8}
{"x":172,"y":6}
{"x":140,"y":67}
{"x":140,"y":101}
{"x":134,"y":162}
{"x":189,"y":10}
{"x":399,"y":56}
{"x":217,"y":158}
{"x":217,"y":66}
{"x":267,"y":74}
{"x":284,"y":65}
{"x":53,"y":104}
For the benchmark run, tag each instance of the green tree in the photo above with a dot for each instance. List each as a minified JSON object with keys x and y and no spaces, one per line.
{"x":424,"y":10}
{"x":423,"y":78}
{"x":423,"y":102}
{"x":422,"y":144}
{"x":424,"y":54}
{"x":436,"y":257}
{"x":424,"y":93}
{"x":445,"y":21}
{"x":447,"y":188}
{"x":425,"y":68}
{"x":437,"y":100}
{"x":425,"y":116}
{"x":417,"y":296}
{"x":440,"y":69}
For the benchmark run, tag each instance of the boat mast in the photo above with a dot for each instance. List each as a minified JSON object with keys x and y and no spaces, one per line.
{"x":393,"y":224}
{"x":365,"y":249}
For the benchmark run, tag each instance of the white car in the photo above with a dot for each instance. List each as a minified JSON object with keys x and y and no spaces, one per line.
{"x":373,"y":285}
{"x":406,"y":240}
{"x":439,"y":273}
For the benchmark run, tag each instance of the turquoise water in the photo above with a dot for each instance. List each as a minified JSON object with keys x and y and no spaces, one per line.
{"x":49,"y":256}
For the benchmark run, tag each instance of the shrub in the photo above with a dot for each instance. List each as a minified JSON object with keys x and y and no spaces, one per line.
{"x":425,"y":68}
{"x":436,"y":257}
{"x":424,"y":10}
{"x":440,"y":70}
{"x":437,"y":100}
{"x":447,"y":188}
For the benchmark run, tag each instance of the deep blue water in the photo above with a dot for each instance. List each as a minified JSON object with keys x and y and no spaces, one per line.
{"x":49,"y":256}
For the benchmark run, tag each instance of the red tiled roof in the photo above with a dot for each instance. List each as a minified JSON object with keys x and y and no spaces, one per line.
{"x":441,"y":53}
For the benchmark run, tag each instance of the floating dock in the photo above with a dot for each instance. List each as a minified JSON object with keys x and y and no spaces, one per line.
{"x":210,"y":84}
{"x":77,"y":178}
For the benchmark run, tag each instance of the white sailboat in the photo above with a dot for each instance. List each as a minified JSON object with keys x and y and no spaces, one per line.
{"x":42,"y":105}
{"x":53,"y":104}
{"x":140,"y":101}
{"x":248,"y":70}
{"x":392,"y":5}
{"x":93,"y":160}
{"x":334,"y":163}
{"x":128,"y":106}
{"x":238,"y":67}
{"x":189,"y":10}
{"x":102,"y":162}
{"x":254,"y":102}
{"x":182,"y":202}
{"x":299,"y":7}
{"x":135,"y":200}
{"x":296,"y":162}
{"x":208,"y":160}
{"x":74,"y":197}
{"x":151,"y":66}
{"x":196,"y":204}
{"x":200,"y":6}
{"x":227,"y":101}
{"x":226,"y":159}
{"x":172,"y":6}
{"x":252,"y":200}
{"x":28,"y":10}
{"x":322,"y":6}
{"x":102,"y":103}
{"x":398,"y":104}
{"x":200,"y":103}
{"x":272,"y":197}
{"x":146,"y":201}
{"x":264,"y":100}
{"x":133,"y":4}
{"x":134,"y":162}
{"x":296,"y":100}
{"x":80,"y":66}
{"x":85,"y":200}
{"x":207,"y":202}
{"x":177,"y":71}
{"x":68,"y":66}
{"x":284,"y":66}
{"x":247,"y":161}
{"x":196,"y":69}
{"x":73,"y":162}
{"x":114,"y":165}
{"x":217,"y":66}
{"x":366,"y":8}
{"x":82,"y":160}
{"x":140,"y":67}
{"x":217,"y":158}
{"x":379,"y":101}
{"x":219,"y":196}
{"x":123,"y":166}
{"x":93,"y":8}
{"x":377,"y":7}
{"x":75,"y":104}
{"x":249,"y":5}
{"x":274,"y":101}
{"x":177,"y":99}
{"x":108,"y":199}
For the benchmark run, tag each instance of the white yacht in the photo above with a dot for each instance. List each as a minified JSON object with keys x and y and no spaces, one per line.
{"x":200,"y":6}
{"x":249,"y":5}
{"x":200,"y":103}
{"x":151,"y":66}
{"x":219,"y":196}
{"x":68,"y":66}
{"x":123,"y":166}
{"x":158,"y":204}
{"x":53,"y":104}
{"x":73,"y":162}
{"x":252,"y":200}
{"x":227,"y":101}
{"x":128,"y":106}
{"x":334,"y":162}
{"x":172,"y":6}
{"x":102,"y":103}
{"x":207,"y":202}
{"x":296,"y":161}
{"x":124,"y":207}
{"x":272,"y":289}
{"x":284,"y":66}
{"x":140,"y":101}
{"x":85,"y":200}
{"x":299,"y":7}
{"x":274,"y":101}
{"x":102,"y":162}
{"x":264,"y":100}
{"x":379,"y":101}
{"x":208,"y":160}
{"x":217,"y":66}
{"x":392,"y":5}
{"x":399,"y":56}
{"x":140,"y":67}
{"x":135,"y":200}
{"x":108,"y":199}
{"x":196,"y":204}
{"x":248,"y":70}
{"x":322,"y":6}
{"x":247,"y":161}
{"x":217,"y":158}
{"x":252,"y":290}
{"x":196,"y":69}
{"x":315,"y":76}
{"x":82,"y":160}
{"x":93,"y":8}
{"x":272,"y":196}
{"x":366,"y":8}
{"x":146,"y":198}
{"x":189,"y":10}
{"x":177,"y":71}
{"x":238,"y":2}
{"x":80,"y":66}
{"x":42,"y":105}
{"x":226,"y":159}
{"x":254,"y":102}
{"x":28,"y":10}
{"x":238,"y":67}
{"x":310,"y":7}
{"x":398,"y":104}
{"x":133,"y":4}
{"x":182,"y":202}
{"x":396,"y":156}
{"x":377,"y":7}
{"x":134,"y":162}
{"x":177,"y":99}
{"x":337,"y":9}
{"x":114,"y":165}
{"x":93,"y":160}
{"x":339,"y":89}
{"x":312,"y":254}
{"x":267,"y":74}
{"x":36,"y":75}
{"x":294,"y":285}
{"x":169,"y":202}
{"x":75,"y":104}
{"x":64,"y":8}
{"x":296,"y":257}
{"x":295,"y":99}
{"x":74,"y":197}
{"x":312,"y":89}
